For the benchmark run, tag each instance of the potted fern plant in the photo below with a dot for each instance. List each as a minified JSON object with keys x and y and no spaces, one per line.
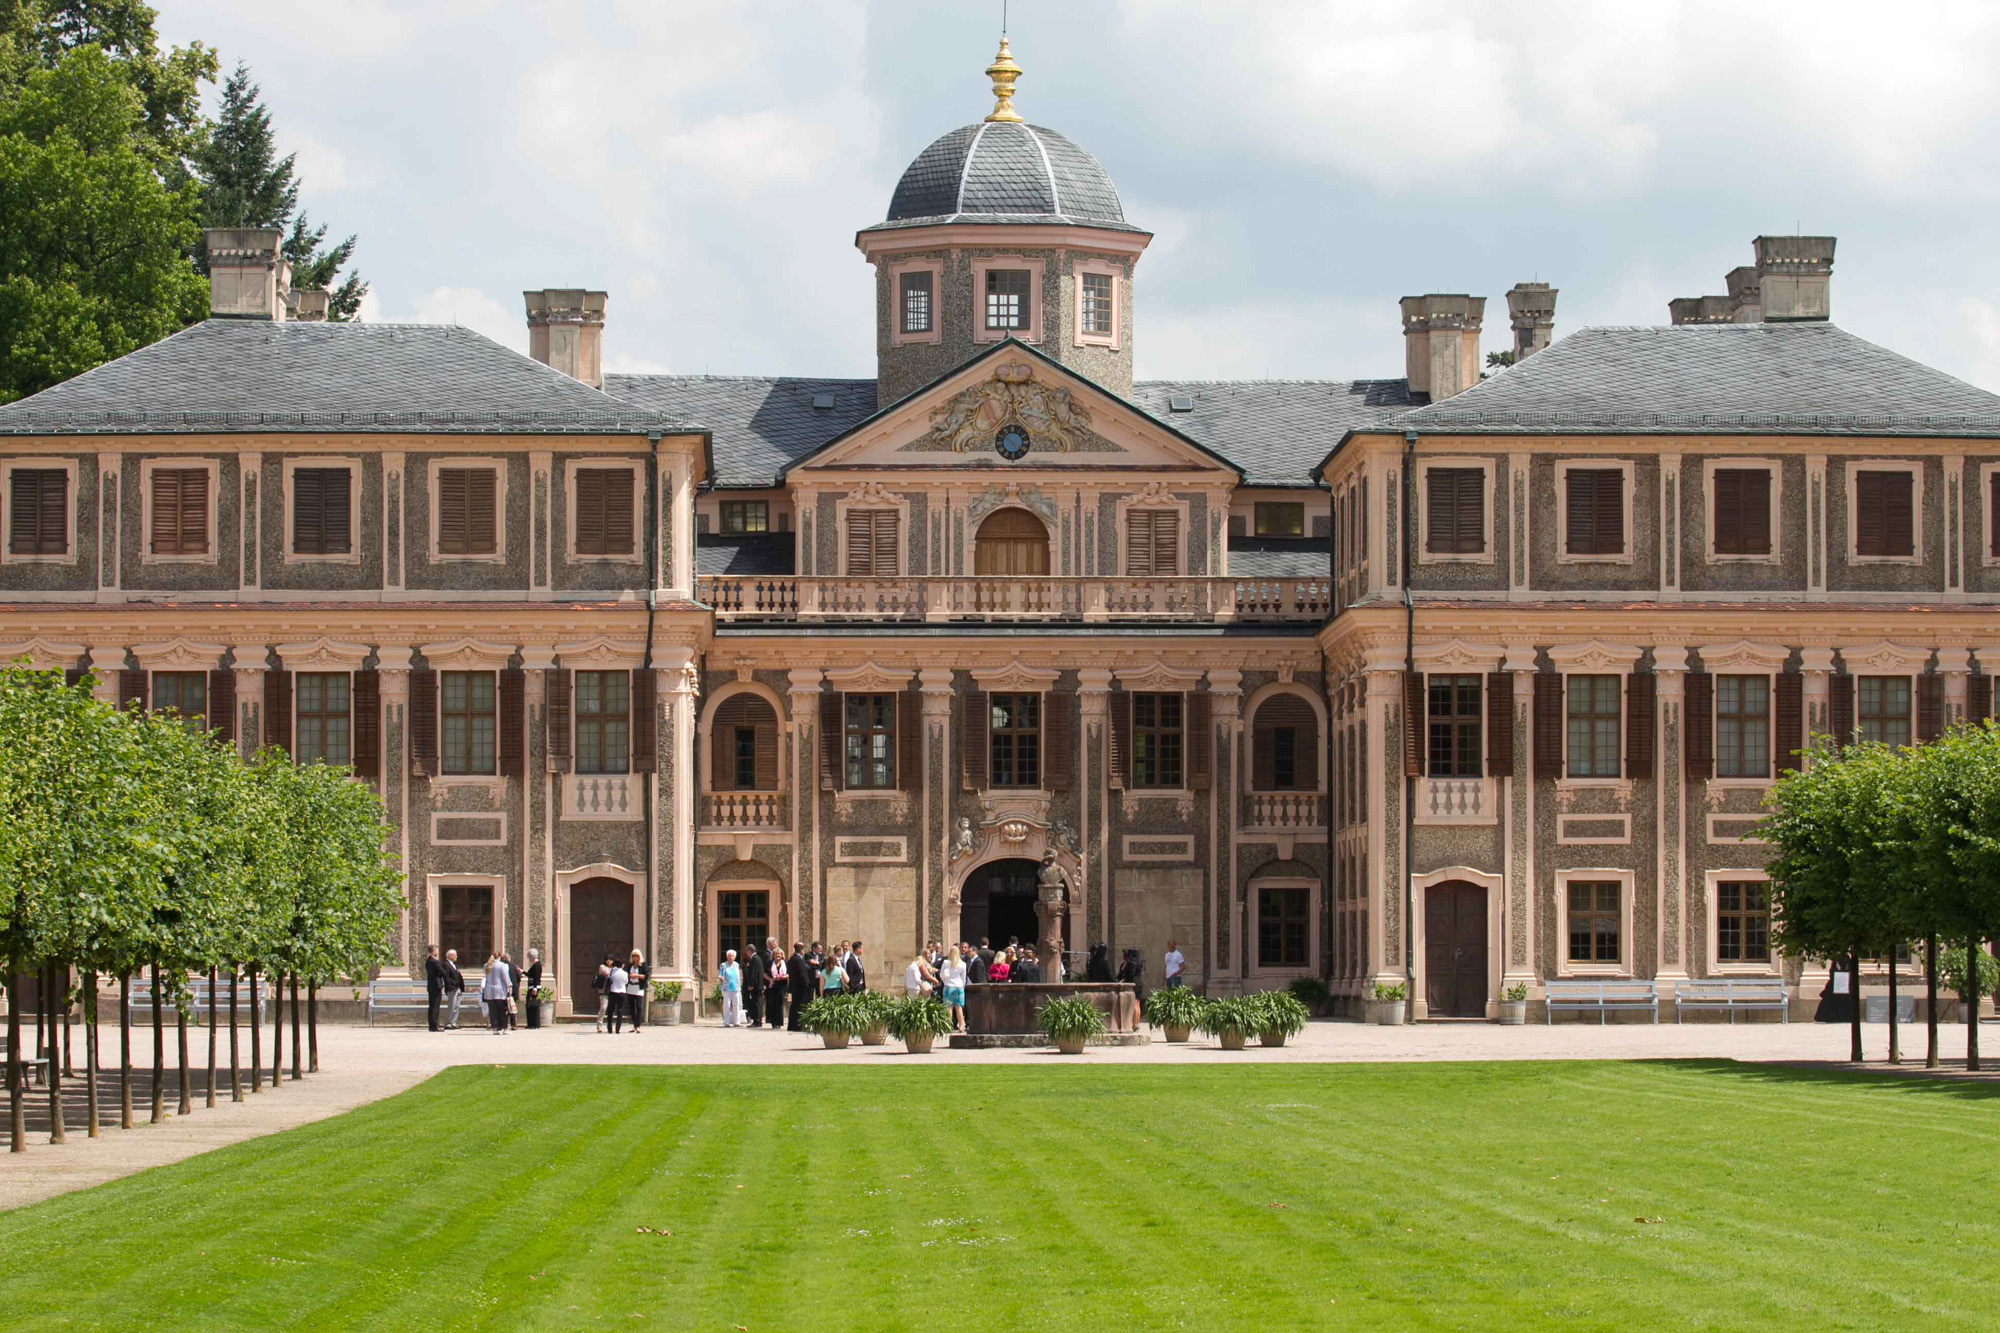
{"x":833,"y":1018}
{"x":873,"y":1007}
{"x":1176,"y":1009}
{"x":1070,"y":1022}
{"x":666,"y":1003}
{"x":1284,"y":1016}
{"x":917,"y":1021}
{"x":1513,"y":1009}
{"x":1389,"y":1002}
{"x":1232,"y":1021}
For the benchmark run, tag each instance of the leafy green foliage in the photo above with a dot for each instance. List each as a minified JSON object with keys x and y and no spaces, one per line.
{"x":1174,"y":1007}
{"x":1280,"y":1014}
{"x":1069,"y":1018}
{"x":875,"y":1008}
{"x":917,"y":1016}
{"x":1516,"y":993}
{"x":1241,"y":1014}
{"x":1390,"y":992}
{"x":833,"y":1014}
{"x":1951,"y":971}
{"x":666,"y":992}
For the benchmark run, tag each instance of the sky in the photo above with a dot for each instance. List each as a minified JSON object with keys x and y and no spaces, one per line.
{"x":1302,"y":165}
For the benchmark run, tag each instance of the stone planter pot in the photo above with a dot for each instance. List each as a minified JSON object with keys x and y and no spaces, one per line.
{"x":1231,"y":1039}
{"x":874,"y":1036}
{"x":1389,"y":1013}
{"x":919,"y":1045}
{"x":835,"y":1041}
{"x":1511,"y":1013}
{"x":1176,"y":1034}
{"x":659,"y":1011}
{"x":1271,"y":1038}
{"x":1069,"y":1045}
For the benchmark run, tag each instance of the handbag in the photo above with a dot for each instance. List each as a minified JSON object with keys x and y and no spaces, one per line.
{"x":510,"y":1006}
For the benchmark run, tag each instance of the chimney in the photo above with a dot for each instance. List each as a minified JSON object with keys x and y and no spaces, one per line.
{"x":1700,"y":310}
{"x":1794,"y":274}
{"x":1441,"y":342}
{"x":306,"y":305}
{"x":248,"y":277}
{"x":566,"y":332}
{"x":1532,"y":307}
{"x":1746,"y":299}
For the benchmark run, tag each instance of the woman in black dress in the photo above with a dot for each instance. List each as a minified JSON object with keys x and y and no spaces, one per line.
{"x":533,"y":978}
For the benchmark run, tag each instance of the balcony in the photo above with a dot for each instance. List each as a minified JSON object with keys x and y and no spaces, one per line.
{"x":1456,"y":801}
{"x":793,"y":598}
{"x":604,"y":796}
{"x":741,"y":811}
{"x":1284,"y":812}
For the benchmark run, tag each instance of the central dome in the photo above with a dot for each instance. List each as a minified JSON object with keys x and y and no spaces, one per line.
{"x":1006,"y":172}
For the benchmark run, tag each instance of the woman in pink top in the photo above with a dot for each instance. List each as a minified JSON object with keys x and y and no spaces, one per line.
{"x":997,"y":970}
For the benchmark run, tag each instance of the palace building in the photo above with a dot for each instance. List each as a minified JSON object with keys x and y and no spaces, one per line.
{"x":1474,"y":682}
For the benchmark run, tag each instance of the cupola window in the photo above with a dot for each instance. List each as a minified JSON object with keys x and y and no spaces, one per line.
{"x":1007,"y":299}
{"x":1095,"y":315}
{"x":916,"y":301}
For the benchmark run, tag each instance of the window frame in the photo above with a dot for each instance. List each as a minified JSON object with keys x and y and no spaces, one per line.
{"x":1717,"y":880}
{"x":1564,"y":467}
{"x":71,"y":509}
{"x":472,"y":717}
{"x":299,"y":716}
{"x":722,"y":508}
{"x":740,"y":890}
{"x":153,"y":704}
{"x":496,"y":885}
{"x":171,"y":463}
{"x":450,"y":462}
{"x":1016,"y":737}
{"x":1098,"y":269}
{"x":579,"y":719}
{"x":1475,"y":763}
{"x":1909,"y":715}
{"x":1989,"y":530}
{"x":1769,"y":718}
{"x":1775,"y":467}
{"x":1258,"y":509}
{"x":1489,"y":550}
{"x":293,"y":556}
{"x":1125,"y":512}
{"x":572,"y":467}
{"x":935,"y":334}
{"x":1163,"y":778}
{"x":849,"y":733}
{"x":1616,"y":714}
{"x":1853,"y":468}
{"x":1032,"y":333}
{"x":1625,"y":880}
{"x":1304,"y":923}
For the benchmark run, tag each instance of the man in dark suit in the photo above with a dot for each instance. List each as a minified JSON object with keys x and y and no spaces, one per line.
{"x":753,"y":985}
{"x":775,"y":984}
{"x":800,"y":969}
{"x":975,"y":965}
{"x":433,"y":983}
{"x":454,"y":988}
{"x":857,"y":975}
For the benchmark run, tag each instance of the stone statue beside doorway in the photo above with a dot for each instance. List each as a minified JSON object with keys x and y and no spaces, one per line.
{"x":1050,"y":899}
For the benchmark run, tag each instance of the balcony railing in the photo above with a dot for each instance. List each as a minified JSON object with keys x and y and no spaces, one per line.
{"x":1456,"y":801}
{"x":744,"y":810}
{"x":600,"y":796}
{"x":1285,"y":811}
{"x":1023,"y":598}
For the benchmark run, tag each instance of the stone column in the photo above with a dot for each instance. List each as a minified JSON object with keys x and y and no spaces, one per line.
{"x":1817,"y":664}
{"x":1518,"y":801}
{"x":1093,"y":785}
{"x":1227,"y":906}
{"x":109,"y":523}
{"x":251,"y":662}
{"x":250,"y":568}
{"x":934,"y":843}
{"x":392,"y":521}
{"x":393,"y":665}
{"x":804,"y":694}
{"x":1817,"y":506}
{"x":1670,"y":698}
{"x":541,"y":523}
{"x":538,"y":821}
{"x":105,"y":664}
{"x":1953,"y":664}
{"x":678,"y":683}
{"x":1382,"y":769}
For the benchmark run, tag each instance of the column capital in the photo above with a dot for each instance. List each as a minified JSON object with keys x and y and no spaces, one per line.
{"x":1225,"y":680}
{"x":1520,"y":659}
{"x":394,"y":657}
{"x":804,"y":681}
{"x":1093,"y":680}
{"x":538,"y":657}
{"x":1816,"y":659}
{"x":1954,"y":661}
{"x":1670,"y":661}
{"x":937,"y":686}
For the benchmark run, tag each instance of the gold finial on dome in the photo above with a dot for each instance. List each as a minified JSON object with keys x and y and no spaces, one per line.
{"x":1003,"y":71}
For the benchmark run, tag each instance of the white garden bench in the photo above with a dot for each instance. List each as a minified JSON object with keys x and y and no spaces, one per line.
{"x":199,"y":998}
{"x":1602,"y":996}
{"x":400,"y":995}
{"x":1732,"y":994}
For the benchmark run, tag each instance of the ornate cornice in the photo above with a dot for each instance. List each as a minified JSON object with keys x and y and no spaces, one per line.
{"x":1014,"y":677}
{"x":868,"y":679}
{"x":1594,"y":656}
{"x":1744,"y":656}
{"x":322,"y":655}
{"x":42,"y":654}
{"x":601,"y":654}
{"x":1157,"y":676}
{"x":178,"y":655}
{"x":1885,"y":659}
{"x":1459,"y":655}
{"x":467,"y":655}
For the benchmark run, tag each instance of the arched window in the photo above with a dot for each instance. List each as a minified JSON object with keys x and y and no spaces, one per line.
{"x":1284,"y":745}
{"x":744,"y":756}
{"x":1011,"y":541}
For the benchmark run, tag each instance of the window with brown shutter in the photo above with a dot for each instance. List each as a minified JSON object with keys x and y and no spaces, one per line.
{"x":423,"y":722}
{"x":1284,"y":745}
{"x":604,"y":511}
{"x":556,"y":721}
{"x":599,"y":703}
{"x":367,"y":703}
{"x":322,"y":511}
{"x":1451,"y":726}
{"x":325,"y":706}
{"x":1698,"y":722}
{"x":1058,"y":728}
{"x":1594,"y":706}
{"x":645,"y":721}
{"x":222,"y":704}
{"x":1415,"y":707}
{"x":743,"y":754}
{"x":1014,"y":740}
{"x":1455,"y":510}
{"x":1499,"y":724}
{"x":38,"y":511}
{"x":1594,"y":511}
{"x":1639,"y":724}
{"x":869,"y":728}
{"x":1884,"y":523}
{"x":180,"y":511}
{"x":278,"y":709}
{"x":972,"y":739}
{"x":1788,"y":723}
{"x":1992,"y":514}
{"x":909,"y":736}
{"x":872,"y":543}
{"x":467,"y":509}
{"x":1548,"y":725}
{"x":1840,"y":707}
{"x":1158,"y":740}
{"x":1742,"y":511}
{"x":1152,"y":543}
{"x":1978,"y":698}
{"x":1930,"y":707}
{"x":1121,"y":739}
{"x":1200,"y":740}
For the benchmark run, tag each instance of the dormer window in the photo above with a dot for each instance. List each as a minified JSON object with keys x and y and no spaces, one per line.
{"x":1007,"y":300}
{"x":915,"y":301}
{"x":1095,"y":312}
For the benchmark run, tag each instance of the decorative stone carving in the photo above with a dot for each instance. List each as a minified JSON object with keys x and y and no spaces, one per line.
{"x":1014,"y":831}
{"x":873,"y":495}
{"x":1884,"y":659}
{"x":466,"y":655}
{"x":178,"y":655}
{"x":1014,"y":678}
{"x":1054,"y":420}
{"x":961,"y":842}
{"x":322,"y":655}
{"x":1742,"y":657}
{"x":1594,"y":656}
{"x":1011,"y":496}
{"x":1066,"y":837}
{"x":601,"y":654}
{"x":868,"y":679}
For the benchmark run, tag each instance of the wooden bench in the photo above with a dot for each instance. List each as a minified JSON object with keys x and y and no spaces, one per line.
{"x":201,"y":1002}
{"x":35,"y":1071}
{"x":410,"y":995}
{"x":1732,"y":994}
{"x":1602,"y":996}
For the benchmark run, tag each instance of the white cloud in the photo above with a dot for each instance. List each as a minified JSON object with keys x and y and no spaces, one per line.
{"x":323,"y":168}
{"x":471,"y":308}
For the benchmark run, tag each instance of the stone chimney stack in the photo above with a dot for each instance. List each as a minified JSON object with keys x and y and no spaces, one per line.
{"x":1532,"y":307}
{"x":248,"y":276}
{"x":1700,"y":310}
{"x":1794,"y":275}
{"x":566,"y":332}
{"x":1441,"y":342}
{"x":306,"y":305}
{"x":1746,"y":298}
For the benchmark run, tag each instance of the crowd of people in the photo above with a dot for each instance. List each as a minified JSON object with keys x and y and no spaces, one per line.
{"x":506,"y":990}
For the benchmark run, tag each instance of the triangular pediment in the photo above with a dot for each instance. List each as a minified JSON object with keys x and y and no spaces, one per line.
{"x":1013,"y":410}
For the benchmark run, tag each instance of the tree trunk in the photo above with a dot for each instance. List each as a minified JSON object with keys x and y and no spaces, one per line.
{"x":1895,"y":1046}
{"x":312,"y":1027}
{"x":17,"y":1114}
{"x":186,"y":1089}
{"x":88,"y":989}
{"x":235,"y":1068}
{"x":58,"y":1132}
{"x":69,"y":1068}
{"x":1972,"y":998}
{"x":1854,"y":1051}
{"x":256,"y":1037}
{"x":124,"y":1052}
{"x":295,"y":1027}
{"x":211,"y":1036}
{"x":1931,"y":1000}
{"x":159,"y":1052}
{"x":277,"y":1027}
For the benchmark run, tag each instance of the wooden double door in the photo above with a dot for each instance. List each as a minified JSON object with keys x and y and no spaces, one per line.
{"x":600,"y":923}
{"x":1455,"y":950}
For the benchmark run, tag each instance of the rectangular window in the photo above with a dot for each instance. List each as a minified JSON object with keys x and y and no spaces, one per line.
{"x":1884,"y":522}
{"x":1152,"y":543}
{"x":1453,"y":710}
{"x":180,"y":511}
{"x":322,"y":507}
{"x":1743,"y":922}
{"x":1156,"y":740}
{"x":183,"y":692}
{"x":1595,"y":921}
{"x":1882,"y":709}
{"x":322,"y":717}
{"x":1007,"y":299}
{"x":746,"y":516}
{"x":743,"y":757}
{"x":1016,"y":740}
{"x":1742,"y":726}
{"x":38,"y":511}
{"x":1284,"y":743}
{"x":602,"y":707}
{"x":465,"y":923}
{"x":871,"y":543}
{"x":1594,"y":511}
{"x":871,"y":741}
{"x":604,"y":511}
{"x":467,"y":724}
{"x":1455,"y":510}
{"x":1593,"y":726}
{"x":1281,"y":927}
{"x":1095,"y":312}
{"x":916,"y":301}
{"x":468,"y":521}
{"x":1743,"y":511}
{"x":1280,"y":519}
{"x":742,"y":921}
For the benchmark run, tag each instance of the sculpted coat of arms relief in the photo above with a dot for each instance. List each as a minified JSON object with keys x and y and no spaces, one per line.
{"x":973,"y":418}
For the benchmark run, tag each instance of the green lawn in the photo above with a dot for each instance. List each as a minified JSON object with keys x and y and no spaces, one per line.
{"x":959,"y":1199}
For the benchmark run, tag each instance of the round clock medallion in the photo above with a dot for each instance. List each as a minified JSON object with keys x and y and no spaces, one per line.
{"x":1012,"y":443}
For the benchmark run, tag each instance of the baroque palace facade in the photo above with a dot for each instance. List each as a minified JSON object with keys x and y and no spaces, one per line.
{"x":1470,"y":682}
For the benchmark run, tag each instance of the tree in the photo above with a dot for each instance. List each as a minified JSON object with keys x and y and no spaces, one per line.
{"x":1959,"y":851}
{"x":246,"y":184}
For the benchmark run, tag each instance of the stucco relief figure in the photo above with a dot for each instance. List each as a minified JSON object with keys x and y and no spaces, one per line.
{"x":961,"y":841}
{"x":1066,"y":837}
{"x":969,"y":422}
{"x":1053,"y":893}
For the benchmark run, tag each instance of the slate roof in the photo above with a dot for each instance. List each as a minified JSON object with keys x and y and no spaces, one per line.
{"x":253,"y":375}
{"x":1277,"y":431}
{"x":1278,"y":558}
{"x":1806,"y":379}
{"x":1003,"y":172}
{"x":760,"y":424}
{"x":748,"y":553}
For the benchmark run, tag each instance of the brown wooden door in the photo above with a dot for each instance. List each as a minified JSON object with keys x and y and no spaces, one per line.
{"x":1011,"y":541}
{"x":465,"y":923}
{"x":1455,"y":950}
{"x":600,"y":923}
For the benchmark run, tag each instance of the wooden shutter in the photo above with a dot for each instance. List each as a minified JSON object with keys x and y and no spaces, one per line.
{"x":973,"y":739}
{"x":71,"y":675}
{"x":38,"y":520}
{"x":722,"y":751}
{"x":1789,"y":722}
{"x":1548,"y":725}
{"x":737,"y":713}
{"x":1415,"y":737}
{"x":1166,"y":543}
{"x":1742,"y":511}
{"x":1200,"y":740}
{"x":1595,"y":511}
{"x":1499,"y":724}
{"x":1454,"y":510}
{"x":1277,"y":712}
{"x":451,"y":510}
{"x":468,"y":520}
{"x":909,"y":737}
{"x":872,"y":543}
{"x":557,"y":720}
{"x":513,"y":723}
{"x":1698,"y":726}
{"x":1121,"y":738}
{"x":832,"y":771}
{"x":645,"y":724}
{"x":1993,"y":514}
{"x":766,"y":753}
{"x":1058,"y":727}
{"x":604,"y":511}
{"x":1840,"y":707}
{"x":365,"y":700}
{"x":133,"y":688}
{"x":1152,"y":543}
{"x":423,"y":722}
{"x":1883,"y":521}
{"x":278,"y":709}
{"x":180,"y":511}
{"x":1978,"y":698}
{"x":321,"y":509}
{"x":1639,"y":724}
{"x":589,"y":534}
{"x":222,"y":705}
{"x":1930,"y":707}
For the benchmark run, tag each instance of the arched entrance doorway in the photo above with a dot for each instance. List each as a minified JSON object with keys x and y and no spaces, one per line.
{"x":1455,"y":949}
{"x":600,"y":923}
{"x":1011,"y":541}
{"x":998,"y":903}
